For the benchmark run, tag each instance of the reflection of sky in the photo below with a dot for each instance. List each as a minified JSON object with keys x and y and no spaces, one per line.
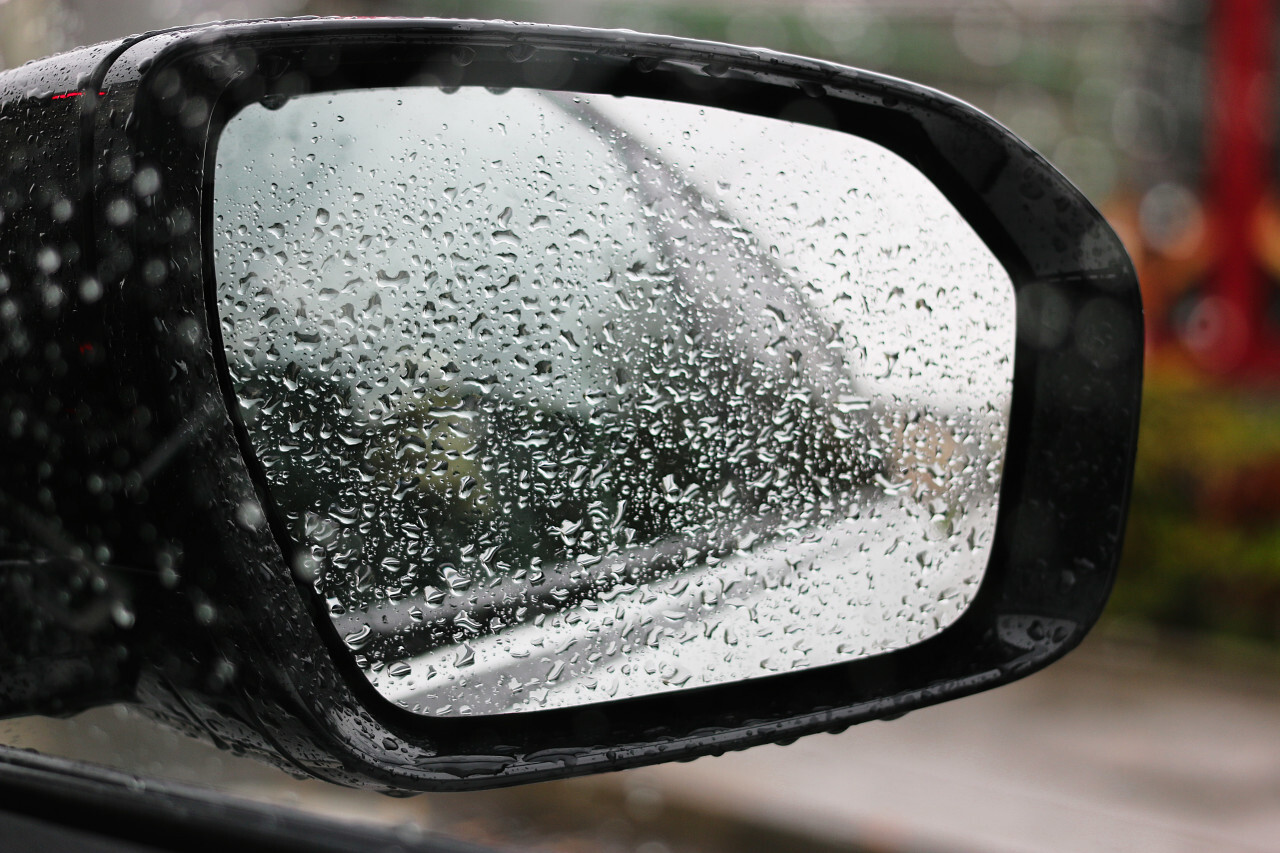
{"x":412,"y":238}
{"x":777,"y":181}
{"x":468,"y":186}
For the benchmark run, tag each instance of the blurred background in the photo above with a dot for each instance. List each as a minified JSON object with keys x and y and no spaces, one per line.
{"x":1163,"y":732}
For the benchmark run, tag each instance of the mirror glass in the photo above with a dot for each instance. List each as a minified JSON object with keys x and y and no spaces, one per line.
{"x":572,"y":398}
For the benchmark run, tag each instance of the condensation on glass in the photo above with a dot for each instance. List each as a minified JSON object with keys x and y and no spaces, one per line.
{"x":568,"y":398}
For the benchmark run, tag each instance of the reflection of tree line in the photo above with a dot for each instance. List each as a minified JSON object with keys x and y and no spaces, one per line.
{"x":479,"y":504}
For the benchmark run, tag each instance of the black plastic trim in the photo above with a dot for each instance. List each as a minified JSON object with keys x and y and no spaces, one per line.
{"x":67,"y":805}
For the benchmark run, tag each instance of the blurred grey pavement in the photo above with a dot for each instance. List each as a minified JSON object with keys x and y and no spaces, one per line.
{"x":1127,"y":744}
{"x":1120,"y":746}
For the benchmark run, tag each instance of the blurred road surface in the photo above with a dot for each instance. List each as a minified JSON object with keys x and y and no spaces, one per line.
{"x":1120,"y":746}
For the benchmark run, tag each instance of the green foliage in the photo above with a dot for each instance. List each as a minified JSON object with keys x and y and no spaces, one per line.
{"x":1203,"y":545}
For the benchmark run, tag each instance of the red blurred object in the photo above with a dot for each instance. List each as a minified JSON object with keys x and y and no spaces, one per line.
{"x":1232,"y":335}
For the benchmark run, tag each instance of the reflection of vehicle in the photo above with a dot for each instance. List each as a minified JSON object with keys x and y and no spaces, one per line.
{"x":185,"y":538}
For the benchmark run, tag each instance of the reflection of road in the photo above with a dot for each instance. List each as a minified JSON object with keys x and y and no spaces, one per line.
{"x":1108,"y":750}
{"x":704,"y":625}
{"x":806,"y":595}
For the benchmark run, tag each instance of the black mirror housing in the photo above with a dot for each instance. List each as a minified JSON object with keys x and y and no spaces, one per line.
{"x":137,"y":536}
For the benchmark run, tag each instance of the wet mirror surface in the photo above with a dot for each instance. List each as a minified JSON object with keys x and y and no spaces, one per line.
{"x":570,"y":398}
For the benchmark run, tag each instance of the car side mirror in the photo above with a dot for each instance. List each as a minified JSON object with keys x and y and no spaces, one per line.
{"x":466,"y":404}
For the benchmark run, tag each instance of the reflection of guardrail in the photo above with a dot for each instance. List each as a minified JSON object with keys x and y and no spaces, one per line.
{"x":445,"y":617}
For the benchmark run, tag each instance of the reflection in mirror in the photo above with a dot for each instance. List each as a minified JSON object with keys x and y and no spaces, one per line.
{"x":574,"y":398}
